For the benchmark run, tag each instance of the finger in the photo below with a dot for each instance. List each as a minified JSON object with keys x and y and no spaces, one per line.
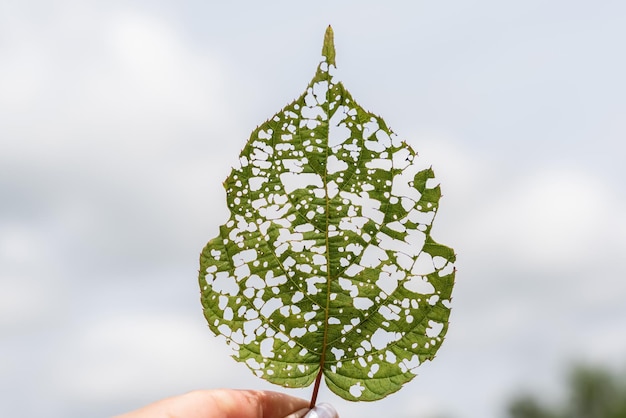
{"x":228,"y":403}
{"x":223,"y":403}
{"x":275,"y":404}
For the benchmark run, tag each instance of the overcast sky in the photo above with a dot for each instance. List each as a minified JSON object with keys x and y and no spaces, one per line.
{"x":119,"y":121}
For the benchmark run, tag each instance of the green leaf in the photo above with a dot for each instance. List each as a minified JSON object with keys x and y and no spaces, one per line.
{"x":326,"y":265}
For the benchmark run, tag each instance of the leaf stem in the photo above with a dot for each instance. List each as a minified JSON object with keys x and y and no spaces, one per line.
{"x":316,"y":388}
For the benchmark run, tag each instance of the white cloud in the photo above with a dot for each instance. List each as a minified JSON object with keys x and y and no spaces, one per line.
{"x":125,"y":85}
{"x":548,"y":215}
{"x":552,"y":216}
{"x":96,"y":102}
{"x":128,"y":354}
{"x":31,"y":279}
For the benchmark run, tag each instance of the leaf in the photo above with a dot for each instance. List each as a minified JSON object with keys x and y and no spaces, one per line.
{"x":326,"y":265}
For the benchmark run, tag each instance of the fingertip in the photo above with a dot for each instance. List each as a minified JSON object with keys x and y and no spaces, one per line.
{"x":276,"y":405}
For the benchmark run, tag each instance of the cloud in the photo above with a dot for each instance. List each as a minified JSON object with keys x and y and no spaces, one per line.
{"x":92,"y":86}
{"x":127,"y":354}
{"x":552,"y":216}
{"x":97,"y":101}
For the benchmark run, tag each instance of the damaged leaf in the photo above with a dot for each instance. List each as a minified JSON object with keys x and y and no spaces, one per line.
{"x":326,"y":266}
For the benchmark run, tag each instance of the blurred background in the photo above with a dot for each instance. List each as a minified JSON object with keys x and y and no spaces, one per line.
{"x":119,"y":121}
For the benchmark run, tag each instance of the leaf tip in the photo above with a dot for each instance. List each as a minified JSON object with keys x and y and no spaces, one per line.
{"x":328,"y":50}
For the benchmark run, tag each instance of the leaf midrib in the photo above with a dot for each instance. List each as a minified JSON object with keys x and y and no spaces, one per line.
{"x":327,"y":213}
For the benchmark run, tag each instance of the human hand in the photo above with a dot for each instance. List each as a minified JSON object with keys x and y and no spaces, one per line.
{"x":228,"y":403}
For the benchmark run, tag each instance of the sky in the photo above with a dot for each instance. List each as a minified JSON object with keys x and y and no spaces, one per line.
{"x":119,"y":121}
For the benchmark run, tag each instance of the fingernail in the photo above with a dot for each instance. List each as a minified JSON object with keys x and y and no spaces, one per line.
{"x":322,"y":410}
